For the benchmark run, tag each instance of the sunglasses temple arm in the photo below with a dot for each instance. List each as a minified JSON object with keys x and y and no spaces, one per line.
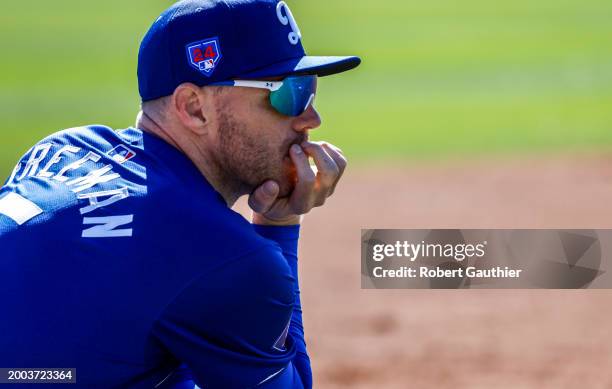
{"x":270,"y":85}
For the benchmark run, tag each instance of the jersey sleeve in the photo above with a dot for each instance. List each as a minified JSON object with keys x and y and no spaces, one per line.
{"x":226,"y":324}
{"x":287,"y":238}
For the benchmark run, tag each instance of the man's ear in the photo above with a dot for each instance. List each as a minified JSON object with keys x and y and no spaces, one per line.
{"x":193,"y":107}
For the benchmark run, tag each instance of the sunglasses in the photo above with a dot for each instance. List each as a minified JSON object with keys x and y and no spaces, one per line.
{"x":291,"y":96}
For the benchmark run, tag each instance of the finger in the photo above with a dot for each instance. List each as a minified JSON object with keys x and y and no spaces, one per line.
{"x":262,"y":198}
{"x":334,"y":147}
{"x":337,"y":155}
{"x":340,"y":160}
{"x":302,"y":197}
{"x":327,"y":169}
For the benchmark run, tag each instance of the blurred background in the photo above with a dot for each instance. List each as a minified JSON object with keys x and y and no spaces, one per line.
{"x":464,"y":114}
{"x":439,"y":79}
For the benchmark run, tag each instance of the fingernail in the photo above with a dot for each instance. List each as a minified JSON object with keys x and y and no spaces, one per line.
{"x":269,"y":188}
{"x":296,"y":149}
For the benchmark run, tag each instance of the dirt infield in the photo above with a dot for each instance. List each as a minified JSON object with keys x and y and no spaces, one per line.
{"x":456,"y":339}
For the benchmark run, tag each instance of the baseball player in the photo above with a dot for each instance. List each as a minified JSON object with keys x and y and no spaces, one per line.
{"x":120,"y":255}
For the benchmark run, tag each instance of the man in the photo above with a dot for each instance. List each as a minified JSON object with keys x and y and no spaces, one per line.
{"x":121,"y":256}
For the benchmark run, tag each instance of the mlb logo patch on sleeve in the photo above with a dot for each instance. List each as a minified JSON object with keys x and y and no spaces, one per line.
{"x":204,"y":55}
{"x":121,"y":154}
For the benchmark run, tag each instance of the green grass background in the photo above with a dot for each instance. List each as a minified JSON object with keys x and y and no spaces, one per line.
{"x":440,"y":79}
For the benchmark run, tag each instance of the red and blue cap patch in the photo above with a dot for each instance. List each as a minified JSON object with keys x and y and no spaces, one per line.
{"x":204,"y":55}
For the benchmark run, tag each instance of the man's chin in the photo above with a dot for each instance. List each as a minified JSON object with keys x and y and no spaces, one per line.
{"x":285,"y":177}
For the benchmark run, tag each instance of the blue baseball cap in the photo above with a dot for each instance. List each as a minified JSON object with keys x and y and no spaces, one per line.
{"x":208,"y":41}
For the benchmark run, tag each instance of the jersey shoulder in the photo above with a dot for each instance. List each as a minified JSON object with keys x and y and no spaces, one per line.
{"x":71,"y":172}
{"x":94,"y":182}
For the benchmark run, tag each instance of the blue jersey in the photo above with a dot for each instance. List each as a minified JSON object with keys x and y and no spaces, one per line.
{"x":119,"y":259}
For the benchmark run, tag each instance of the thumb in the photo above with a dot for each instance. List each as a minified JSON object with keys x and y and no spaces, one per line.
{"x":262,"y":198}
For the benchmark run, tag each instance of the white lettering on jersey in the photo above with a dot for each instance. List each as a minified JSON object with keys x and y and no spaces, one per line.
{"x":38,"y":154}
{"x":21,"y":209}
{"x":94,"y":199}
{"x":295,"y":35}
{"x":91,"y":156}
{"x":15,"y":171}
{"x":18,"y":208}
{"x":93,"y":178}
{"x":106,"y":227}
{"x":57,"y":158}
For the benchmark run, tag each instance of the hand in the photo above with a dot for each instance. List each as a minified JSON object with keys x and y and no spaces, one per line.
{"x":311,"y":190}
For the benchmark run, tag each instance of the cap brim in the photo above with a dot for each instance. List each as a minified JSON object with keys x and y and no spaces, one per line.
{"x":320,"y":66}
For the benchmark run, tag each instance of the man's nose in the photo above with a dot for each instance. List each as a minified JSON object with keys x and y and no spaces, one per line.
{"x":308,"y":120}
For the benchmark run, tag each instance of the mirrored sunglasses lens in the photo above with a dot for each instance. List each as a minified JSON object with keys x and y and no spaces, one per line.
{"x":294,"y":97}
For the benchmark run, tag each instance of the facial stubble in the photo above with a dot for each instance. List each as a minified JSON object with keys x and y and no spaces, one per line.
{"x":247,"y":160}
